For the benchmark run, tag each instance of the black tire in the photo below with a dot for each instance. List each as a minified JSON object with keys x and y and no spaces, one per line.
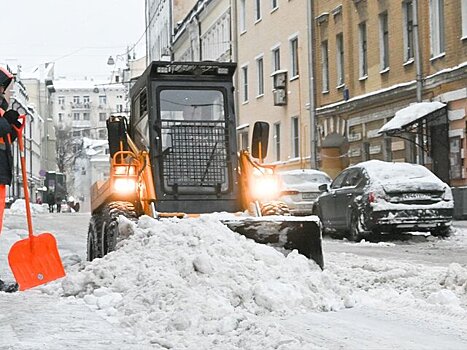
{"x":110,"y":214}
{"x":357,"y":231}
{"x":444,"y":231}
{"x":93,"y":244}
{"x":274,"y":208}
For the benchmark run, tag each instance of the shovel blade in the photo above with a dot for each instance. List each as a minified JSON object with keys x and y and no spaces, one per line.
{"x":35,"y":261}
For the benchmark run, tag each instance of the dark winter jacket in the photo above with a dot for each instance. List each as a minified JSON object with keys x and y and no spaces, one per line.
{"x":6,"y":159}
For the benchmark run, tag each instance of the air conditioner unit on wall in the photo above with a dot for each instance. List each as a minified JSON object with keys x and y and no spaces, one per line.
{"x":280,"y":97}
{"x":280,"y":79}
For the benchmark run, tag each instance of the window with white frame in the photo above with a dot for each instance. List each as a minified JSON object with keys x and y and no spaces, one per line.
{"x":437,"y":27}
{"x":85,"y":99}
{"x":384,"y":40}
{"x":60,"y":117}
{"x":325,"y":66}
{"x":276,"y":58}
{"x":274,"y":4}
{"x":340,"y":58}
{"x":464,"y":19}
{"x":245,"y":83}
{"x":102,"y":100}
{"x":86,"y":116}
{"x":75,"y":116}
{"x":260,"y":72}
{"x":102,"y":117}
{"x":295,"y":137}
{"x":363,"y":54}
{"x":76,"y":99}
{"x":102,"y":134}
{"x":61,"y":100}
{"x":408,"y":30}
{"x":294,"y":57}
{"x":257,"y":10}
{"x":242,"y":14}
{"x":243,"y":140}
{"x":277,"y":141}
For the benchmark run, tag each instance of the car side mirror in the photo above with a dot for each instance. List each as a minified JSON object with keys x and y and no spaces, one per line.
{"x":323,"y":188}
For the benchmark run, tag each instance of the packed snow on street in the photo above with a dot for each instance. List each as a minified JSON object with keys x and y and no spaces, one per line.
{"x":194,"y":284}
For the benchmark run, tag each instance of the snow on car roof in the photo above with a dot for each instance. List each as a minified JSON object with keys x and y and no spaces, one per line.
{"x":394,"y":171}
{"x":302,"y":171}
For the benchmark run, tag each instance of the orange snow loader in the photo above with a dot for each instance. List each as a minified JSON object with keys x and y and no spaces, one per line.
{"x":177,"y":156}
{"x":34,"y":260}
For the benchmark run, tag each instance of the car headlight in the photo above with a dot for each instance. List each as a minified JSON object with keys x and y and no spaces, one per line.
{"x":447,"y":196}
{"x":124,"y":185}
{"x":265,"y":187}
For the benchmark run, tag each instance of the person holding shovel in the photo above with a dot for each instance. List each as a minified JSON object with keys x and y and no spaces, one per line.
{"x":8,"y":119}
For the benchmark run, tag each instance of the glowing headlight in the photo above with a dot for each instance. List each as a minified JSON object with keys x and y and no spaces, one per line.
{"x":125,"y":185}
{"x":265,"y":187}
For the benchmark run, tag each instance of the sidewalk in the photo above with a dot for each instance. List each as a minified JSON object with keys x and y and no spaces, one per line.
{"x":32,"y":320}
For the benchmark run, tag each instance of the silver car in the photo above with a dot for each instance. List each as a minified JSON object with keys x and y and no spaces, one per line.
{"x":300,"y":188}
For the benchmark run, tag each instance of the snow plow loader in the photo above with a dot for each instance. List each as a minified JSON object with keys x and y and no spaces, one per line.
{"x":177,"y":157}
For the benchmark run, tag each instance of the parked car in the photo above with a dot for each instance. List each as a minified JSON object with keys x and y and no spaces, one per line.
{"x":300,"y":188}
{"x":377,"y":196}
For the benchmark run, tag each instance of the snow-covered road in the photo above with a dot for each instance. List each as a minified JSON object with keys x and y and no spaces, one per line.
{"x":193,"y":285}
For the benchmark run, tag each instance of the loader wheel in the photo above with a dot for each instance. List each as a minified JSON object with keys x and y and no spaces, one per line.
{"x":109,"y":235}
{"x":274,"y":208}
{"x":95,"y":226}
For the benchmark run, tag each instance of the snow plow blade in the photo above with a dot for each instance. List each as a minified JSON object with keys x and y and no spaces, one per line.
{"x":301,"y":233}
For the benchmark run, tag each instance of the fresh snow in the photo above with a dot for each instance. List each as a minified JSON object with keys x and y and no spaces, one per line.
{"x":194,"y":284}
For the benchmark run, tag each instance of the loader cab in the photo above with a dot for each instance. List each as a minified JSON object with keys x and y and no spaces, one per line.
{"x":182,"y":113}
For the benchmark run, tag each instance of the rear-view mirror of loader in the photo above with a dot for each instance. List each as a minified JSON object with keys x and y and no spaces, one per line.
{"x":259,"y":144}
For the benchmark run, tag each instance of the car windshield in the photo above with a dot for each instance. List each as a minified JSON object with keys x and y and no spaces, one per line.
{"x":301,"y":178}
{"x":397,"y":172}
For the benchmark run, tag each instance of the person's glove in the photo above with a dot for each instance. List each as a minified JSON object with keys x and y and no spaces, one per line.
{"x":12,"y":117}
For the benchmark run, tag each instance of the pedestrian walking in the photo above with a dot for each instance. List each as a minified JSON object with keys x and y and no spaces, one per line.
{"x":8,"y":119}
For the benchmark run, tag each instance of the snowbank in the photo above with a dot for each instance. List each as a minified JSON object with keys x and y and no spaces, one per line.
{"x":19,"y":208}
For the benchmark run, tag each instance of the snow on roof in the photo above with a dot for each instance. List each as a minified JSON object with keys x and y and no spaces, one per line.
{"x":409,"y":114}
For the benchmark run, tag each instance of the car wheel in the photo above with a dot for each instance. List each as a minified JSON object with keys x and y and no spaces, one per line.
{"x":356,"y":232}
{"x":444,"y":231}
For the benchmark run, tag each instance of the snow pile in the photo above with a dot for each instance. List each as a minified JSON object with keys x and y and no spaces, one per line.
{"x":193,"y":281}
{"x":19,"y":208}
{"x":455,"y":278}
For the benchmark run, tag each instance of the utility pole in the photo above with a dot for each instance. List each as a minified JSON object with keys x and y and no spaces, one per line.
{"x":311,"y":87}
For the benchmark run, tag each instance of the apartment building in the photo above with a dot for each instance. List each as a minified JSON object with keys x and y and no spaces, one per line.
{"x":376,"y":58}
{"x":273,"y":77}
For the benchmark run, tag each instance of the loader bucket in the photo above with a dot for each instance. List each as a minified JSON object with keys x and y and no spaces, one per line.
{"x":301,"y":233}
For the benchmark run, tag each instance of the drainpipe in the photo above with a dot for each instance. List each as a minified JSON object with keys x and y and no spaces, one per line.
{"x":311,"y":87}
{"x":234,"y":54}
{"x":419,"y":78}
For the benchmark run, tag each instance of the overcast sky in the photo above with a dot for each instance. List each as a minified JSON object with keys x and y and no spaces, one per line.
{"x":78,"y":35}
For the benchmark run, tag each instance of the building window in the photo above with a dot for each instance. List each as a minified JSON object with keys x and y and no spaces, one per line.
{"x":75,"y":116}
{"x":119,"y":108}
{"x":340,"y":58}
{"x":363,"y":54}
{"x":295,"y":138}
{"x":102,"y":134}
{"x":76,"y":134}
{"x":61,"y":100}
{"x":102,"y":100}
{"x":102,"y":117}
{"x":242,"y":16}
{"x":244,"y":140}
{"x":325,"y":65}
{"x":277,"y":140}
{"x":455,"y":157}
{"x":384,"y":40}
{"x":60,"y":117}
{"x":274,"y":4}
{"x":86,"y":99}
{"x":257,"y":10}
{"x":464,"y":19}
{"x":276,"y":59}
{"x":86,"y":116}
{"x":86,"y":133}
{"x":75,"y":99}
{"x":408,"y":30}
{"x":245,"y":83}
{"x":437,"y":27}
{"x":260,"y":68}
{"x":294,"y":57}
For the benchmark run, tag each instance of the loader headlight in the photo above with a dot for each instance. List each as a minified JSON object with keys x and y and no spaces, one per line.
{"x":124,"y":185}
{"x":265,"y":187}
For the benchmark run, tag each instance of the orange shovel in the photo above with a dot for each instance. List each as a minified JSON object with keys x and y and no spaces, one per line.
{"x":34,"y":260}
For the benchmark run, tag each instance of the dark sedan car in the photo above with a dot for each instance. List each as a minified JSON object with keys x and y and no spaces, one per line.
{"x":377,"y":196}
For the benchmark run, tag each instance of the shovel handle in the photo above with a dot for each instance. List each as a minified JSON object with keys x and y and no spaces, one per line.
{"x":19,"y":134}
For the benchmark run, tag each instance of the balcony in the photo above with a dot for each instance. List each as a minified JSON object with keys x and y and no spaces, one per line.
{"x":81,"y":106}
